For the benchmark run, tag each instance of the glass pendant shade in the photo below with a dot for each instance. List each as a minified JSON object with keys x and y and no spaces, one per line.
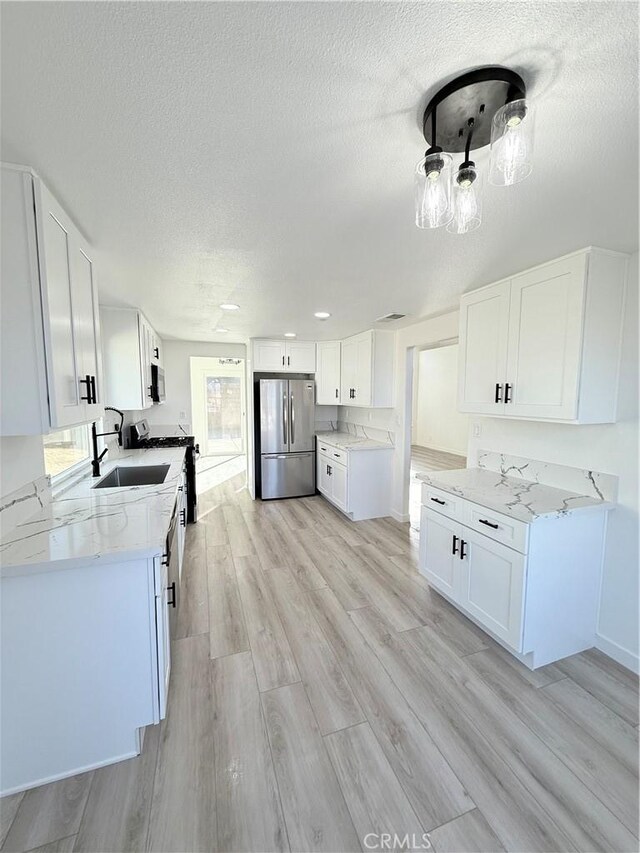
{"x":511,"y":144}
{"x":433,"y":190}
{"x":467,"y":202}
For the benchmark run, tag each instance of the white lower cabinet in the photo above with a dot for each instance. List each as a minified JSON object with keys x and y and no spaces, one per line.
{"x":538,"y":595}
{"x":357,"y":482}
{"x":99,"y":664}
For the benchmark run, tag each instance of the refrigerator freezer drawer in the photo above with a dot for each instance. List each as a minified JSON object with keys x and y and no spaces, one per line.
{"x":288,"y":475}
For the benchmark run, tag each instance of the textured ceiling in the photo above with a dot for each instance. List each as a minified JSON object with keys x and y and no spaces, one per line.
{"x":263,"y":153}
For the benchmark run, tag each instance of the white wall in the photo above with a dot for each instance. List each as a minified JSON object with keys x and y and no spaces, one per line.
{"x":438,"y":423}
{"x":21,"y":462}
{"x":176,"y":355}
{"x":613,"y":449}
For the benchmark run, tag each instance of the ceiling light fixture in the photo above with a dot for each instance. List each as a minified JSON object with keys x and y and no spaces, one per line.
{"x":289,"y":334}
{"x":221,"y":331}
{"x":487,"y":105}
{"x":322,"y":315}
{"x":230,"y":306}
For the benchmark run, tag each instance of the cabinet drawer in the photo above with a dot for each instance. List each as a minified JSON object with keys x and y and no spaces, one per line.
{"x":442,"y":502}
{"x":502,"y":528}
{"x":333,"y":454}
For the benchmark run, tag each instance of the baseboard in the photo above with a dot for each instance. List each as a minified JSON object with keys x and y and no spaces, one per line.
{"x":399,"y":516}
{"x":618,"y":653}
{"x":442,"y":449}
{"x":56,"y":777}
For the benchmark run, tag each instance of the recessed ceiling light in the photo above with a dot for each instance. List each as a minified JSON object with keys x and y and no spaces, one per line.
{"x":229,"y":306}
{"x":222,"y":331}
{"x":322,"y":315}
{"x":289,"y":334}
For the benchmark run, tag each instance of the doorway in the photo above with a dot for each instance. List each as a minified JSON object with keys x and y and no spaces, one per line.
{"x":439,"y":432}
{"x":218,"y":405}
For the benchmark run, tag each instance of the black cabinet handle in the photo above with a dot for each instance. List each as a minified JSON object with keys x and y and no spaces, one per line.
{"x":454,"y":547}
{"x":438,"y":501}
{"x":462,"y":553}
{"x":283,"y":361}
{"x":508,"y":397}
{"x":156,"y":352}
{"x":87,"y":381}
{"x":337,"y":394}
{"x":337,"y":455}
{"x":329,"y":470}
{"x":166,"y":557}
{"x":94,"y":396}
{"x":172,"y":588}
{"x":183,"y":517}
{"x":288,"y":361}
{"x":150,"y":387}
{"x":498,"y":397}
{"x":488,"y":523}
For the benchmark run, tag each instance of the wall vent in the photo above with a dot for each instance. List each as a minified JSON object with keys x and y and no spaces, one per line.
{"x":389,"y":318}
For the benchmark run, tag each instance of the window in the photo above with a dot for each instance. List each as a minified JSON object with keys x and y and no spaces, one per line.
{"x":65,"y":449}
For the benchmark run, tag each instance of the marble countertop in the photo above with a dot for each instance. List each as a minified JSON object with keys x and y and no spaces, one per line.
{"x":84,"y":525}
{"x":524,"y":500}
{"x":346,"y":441}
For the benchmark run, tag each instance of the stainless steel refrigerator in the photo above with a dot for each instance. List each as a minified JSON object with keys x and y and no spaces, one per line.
{"x":287,"y":438}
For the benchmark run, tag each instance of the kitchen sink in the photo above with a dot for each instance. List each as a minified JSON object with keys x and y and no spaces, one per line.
{"x":133,"y":475}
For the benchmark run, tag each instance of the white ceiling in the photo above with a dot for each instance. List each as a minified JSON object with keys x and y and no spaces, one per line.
{"x":263,"y":153}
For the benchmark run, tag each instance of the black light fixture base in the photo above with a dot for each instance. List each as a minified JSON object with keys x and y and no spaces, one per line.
{"x":478,"y":95}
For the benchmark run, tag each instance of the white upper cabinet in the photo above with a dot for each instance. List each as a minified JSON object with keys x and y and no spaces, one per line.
{"x":273,"y":356}
{"x":484,"y":324}
{"x":367,"y":370}
{"x":545,"y":344}
{"x":328,"y":373}
{"x":130,"y":347}
{"x":51,"y":368}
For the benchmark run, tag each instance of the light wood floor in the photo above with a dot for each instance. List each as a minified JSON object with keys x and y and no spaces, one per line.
{"x":320,"y":692}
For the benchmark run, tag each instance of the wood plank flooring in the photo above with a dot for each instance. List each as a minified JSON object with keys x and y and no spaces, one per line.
{"x":322,"y":694}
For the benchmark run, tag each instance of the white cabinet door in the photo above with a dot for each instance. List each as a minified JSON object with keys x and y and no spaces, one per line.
{"x":163,"y":641}
{"x":439,"y":539}
{"x":145,"y":333}
{"x":87,"y":327}
{"x":55,"y":236}
{"x":301,"y":356}
{"x":364,"y":369}
{"x":323,"y":480}
{"x":269,"y":355}
{"x":484,"y":324}
{"x":492,"y":586}
{"x":349,"y":371}
{"x":340,"y":479}
{"x":545,"y":337}
{"x":328,"y":374}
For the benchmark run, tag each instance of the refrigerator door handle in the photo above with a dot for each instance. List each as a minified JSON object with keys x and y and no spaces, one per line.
{"x":285,"y":426}
{"x":293,"y":421}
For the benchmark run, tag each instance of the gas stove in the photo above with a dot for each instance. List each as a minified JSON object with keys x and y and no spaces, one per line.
{"x":141,"y":440}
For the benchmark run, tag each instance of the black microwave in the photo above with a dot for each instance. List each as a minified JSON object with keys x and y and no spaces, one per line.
{"x":157,"y":384}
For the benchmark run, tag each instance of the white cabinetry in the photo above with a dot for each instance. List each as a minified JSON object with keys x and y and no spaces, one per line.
{"x":367,"y":369}
{"x":357,"y":482}
{"x":533,"y":587}
{"x":50,"y":336}
{"x":130,"y":347}
{"x":284,"y":356}
{"x":545,"y":344}
{"x":328,"y":373}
